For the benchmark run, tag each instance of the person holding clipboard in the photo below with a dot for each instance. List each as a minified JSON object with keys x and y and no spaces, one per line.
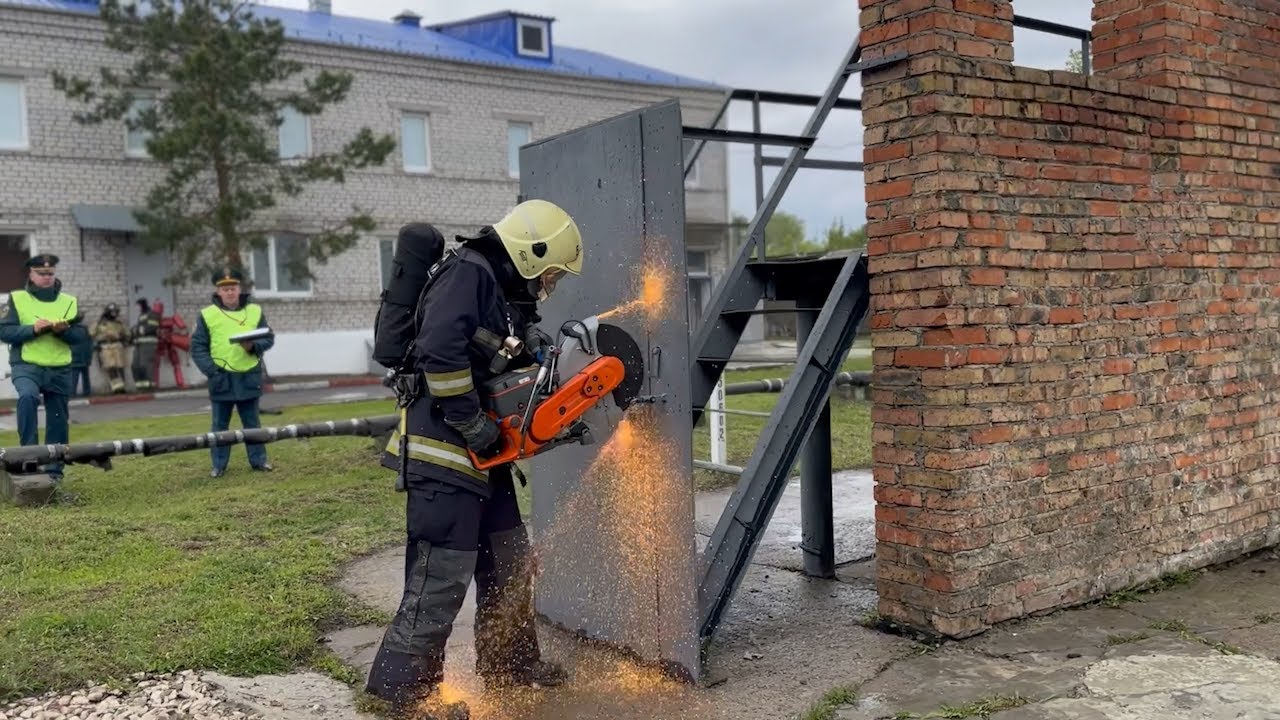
{"x":230,"y":338}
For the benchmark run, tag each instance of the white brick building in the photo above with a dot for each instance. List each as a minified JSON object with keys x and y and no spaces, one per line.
{"x":456,"y":120}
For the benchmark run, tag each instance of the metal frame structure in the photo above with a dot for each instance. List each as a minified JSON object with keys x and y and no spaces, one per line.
{"x":800,"y":424}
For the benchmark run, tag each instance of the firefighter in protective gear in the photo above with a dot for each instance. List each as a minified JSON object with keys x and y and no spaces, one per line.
{"x":463,"y":523}
{"x":145,"y":331}
{"x":109,"y":338}
{"x":40,"y":324}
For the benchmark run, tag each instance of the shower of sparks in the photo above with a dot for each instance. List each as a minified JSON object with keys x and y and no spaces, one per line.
{"x":652,"y":294}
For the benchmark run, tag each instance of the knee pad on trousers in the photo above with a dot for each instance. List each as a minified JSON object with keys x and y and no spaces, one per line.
{"x":410,"y":660}
{"x":433,"y":595}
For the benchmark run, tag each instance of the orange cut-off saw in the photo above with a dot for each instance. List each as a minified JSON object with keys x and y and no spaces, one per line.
{"x":596,"y":371}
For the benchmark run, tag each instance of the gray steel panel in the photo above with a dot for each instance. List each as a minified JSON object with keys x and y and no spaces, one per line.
{"x":618,"y":551}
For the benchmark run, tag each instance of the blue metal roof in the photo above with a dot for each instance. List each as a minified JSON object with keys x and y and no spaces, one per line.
{"x":389,"y":36}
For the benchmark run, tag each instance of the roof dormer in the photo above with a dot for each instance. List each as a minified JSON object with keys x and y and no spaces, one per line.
{"x":510,"y":33}
{"x":533,"y":36}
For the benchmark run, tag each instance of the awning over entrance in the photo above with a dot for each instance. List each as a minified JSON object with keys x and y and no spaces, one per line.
{"x":105,"y":218}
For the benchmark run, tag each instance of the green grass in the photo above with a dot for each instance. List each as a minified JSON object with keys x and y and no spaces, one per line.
{"x":983,"y":708}
{"x":154,"y":566}
{"x":850,"y":426}
{"x":1126,"y":638}
{"x":1185,"y":632}
{"x":1120,"y":598}
{"x":834,"y":699}
{"x":157,"y":567}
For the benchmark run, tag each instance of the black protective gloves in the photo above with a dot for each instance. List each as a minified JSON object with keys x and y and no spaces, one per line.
{"x":480,"y":432}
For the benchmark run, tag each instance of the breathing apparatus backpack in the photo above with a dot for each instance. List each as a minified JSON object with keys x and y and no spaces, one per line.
{"x":420,"y":249}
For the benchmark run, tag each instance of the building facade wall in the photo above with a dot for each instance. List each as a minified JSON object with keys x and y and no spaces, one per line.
{"x":1075,"y":314}
{"x":468,"y":108}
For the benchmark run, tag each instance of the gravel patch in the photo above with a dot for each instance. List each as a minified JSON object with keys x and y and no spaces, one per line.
{"x":174,"y":696}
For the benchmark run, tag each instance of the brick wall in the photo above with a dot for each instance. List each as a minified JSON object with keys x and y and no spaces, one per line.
{"x":469,"y":109}
{"x":1075,"y":304}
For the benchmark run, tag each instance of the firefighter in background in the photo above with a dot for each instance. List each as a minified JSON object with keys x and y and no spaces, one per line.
{"x":172,"y":337}
{"x":145,"y":332}
{"x":463,"y":523}
{"x":110,"y":337}
{"x":81,"y":360}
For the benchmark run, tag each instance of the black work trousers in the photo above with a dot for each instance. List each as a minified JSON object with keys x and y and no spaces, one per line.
{"x":453,"y":537}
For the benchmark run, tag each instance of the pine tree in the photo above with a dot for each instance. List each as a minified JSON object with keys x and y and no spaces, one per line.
{"x":218,"y":84}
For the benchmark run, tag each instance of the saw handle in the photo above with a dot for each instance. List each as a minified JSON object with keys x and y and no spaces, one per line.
{"x":554,"y":414}
{"x":510,"y":444}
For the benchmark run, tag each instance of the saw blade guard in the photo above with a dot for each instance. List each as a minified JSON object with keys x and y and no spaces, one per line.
{"x":588,"y":339}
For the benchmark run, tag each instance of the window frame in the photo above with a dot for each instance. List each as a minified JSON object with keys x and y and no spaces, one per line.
{"x":384,"y":270}
{"x":542,"y":26}
{"x":24,"y":121}
{"x":141,"y":152}
{"x":694,"y":178}
{"x":513,"y":153}
{"x":306,"y":124}
{"x":273,"y":270}
{"x":426,"y":142}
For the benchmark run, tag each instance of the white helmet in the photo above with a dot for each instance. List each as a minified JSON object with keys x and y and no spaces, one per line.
{"x":539,"y":236}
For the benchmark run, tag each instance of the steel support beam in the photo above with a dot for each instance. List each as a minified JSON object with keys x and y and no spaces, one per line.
{"x":768,"y":161}
{"x":742,"y":136}
{"x":817,"y":516}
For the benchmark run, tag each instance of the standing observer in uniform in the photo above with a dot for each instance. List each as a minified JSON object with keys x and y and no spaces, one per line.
{"x":464,"y":523}
{"x":40,"y":324}
{"x":234,"y":369}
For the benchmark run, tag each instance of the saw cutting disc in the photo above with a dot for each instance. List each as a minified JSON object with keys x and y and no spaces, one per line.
{"x":613,"y":340}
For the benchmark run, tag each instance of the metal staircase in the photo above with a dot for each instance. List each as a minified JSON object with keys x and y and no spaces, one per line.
{"x":832,"y":295}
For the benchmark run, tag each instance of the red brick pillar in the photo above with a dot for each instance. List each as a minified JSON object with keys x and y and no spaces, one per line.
{"x":1178,"y":43}
{"x":926,"y":242}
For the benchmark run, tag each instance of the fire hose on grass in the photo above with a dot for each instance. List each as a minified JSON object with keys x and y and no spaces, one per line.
{"x":23,"y":482}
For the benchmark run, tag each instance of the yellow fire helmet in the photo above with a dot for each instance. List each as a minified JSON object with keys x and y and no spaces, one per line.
{"x":540,"y":235}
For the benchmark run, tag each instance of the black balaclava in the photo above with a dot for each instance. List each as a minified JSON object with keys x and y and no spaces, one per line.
{"x":515,"y":288}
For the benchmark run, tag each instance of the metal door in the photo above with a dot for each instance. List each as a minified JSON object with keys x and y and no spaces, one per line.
{"x":614,"y":525}
{"x":144,"y":278}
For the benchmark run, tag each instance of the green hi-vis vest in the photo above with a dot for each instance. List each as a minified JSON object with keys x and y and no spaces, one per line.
{"x":223,"y":324}
{"x":47,"y":350}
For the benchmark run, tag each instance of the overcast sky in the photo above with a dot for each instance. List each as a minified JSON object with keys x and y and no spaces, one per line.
{"x":785,"y":45}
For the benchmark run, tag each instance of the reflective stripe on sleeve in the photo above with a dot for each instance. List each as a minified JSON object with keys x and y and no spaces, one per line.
{"x":450,"y":384}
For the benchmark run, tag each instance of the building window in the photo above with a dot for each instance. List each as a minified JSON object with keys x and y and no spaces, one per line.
{"x":386,"y":253}
{"x":532,"y":37}
{"x":295,"y":134}
{"x":135,"y":140}
{"x":518,"y":134}
{"x":415,"y":142}
{"x":276,"y":268}
{"x":691,"y":178}
{"x":14,"y":251}
{"x":13,"y":114}
{"x":697,"y":262}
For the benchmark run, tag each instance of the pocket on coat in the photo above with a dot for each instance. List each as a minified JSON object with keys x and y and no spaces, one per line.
{"x":252,"y":381}
{"x":220,"y":383}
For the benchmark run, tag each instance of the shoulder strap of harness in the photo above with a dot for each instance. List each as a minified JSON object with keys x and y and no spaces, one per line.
{"x":451,"y":256}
